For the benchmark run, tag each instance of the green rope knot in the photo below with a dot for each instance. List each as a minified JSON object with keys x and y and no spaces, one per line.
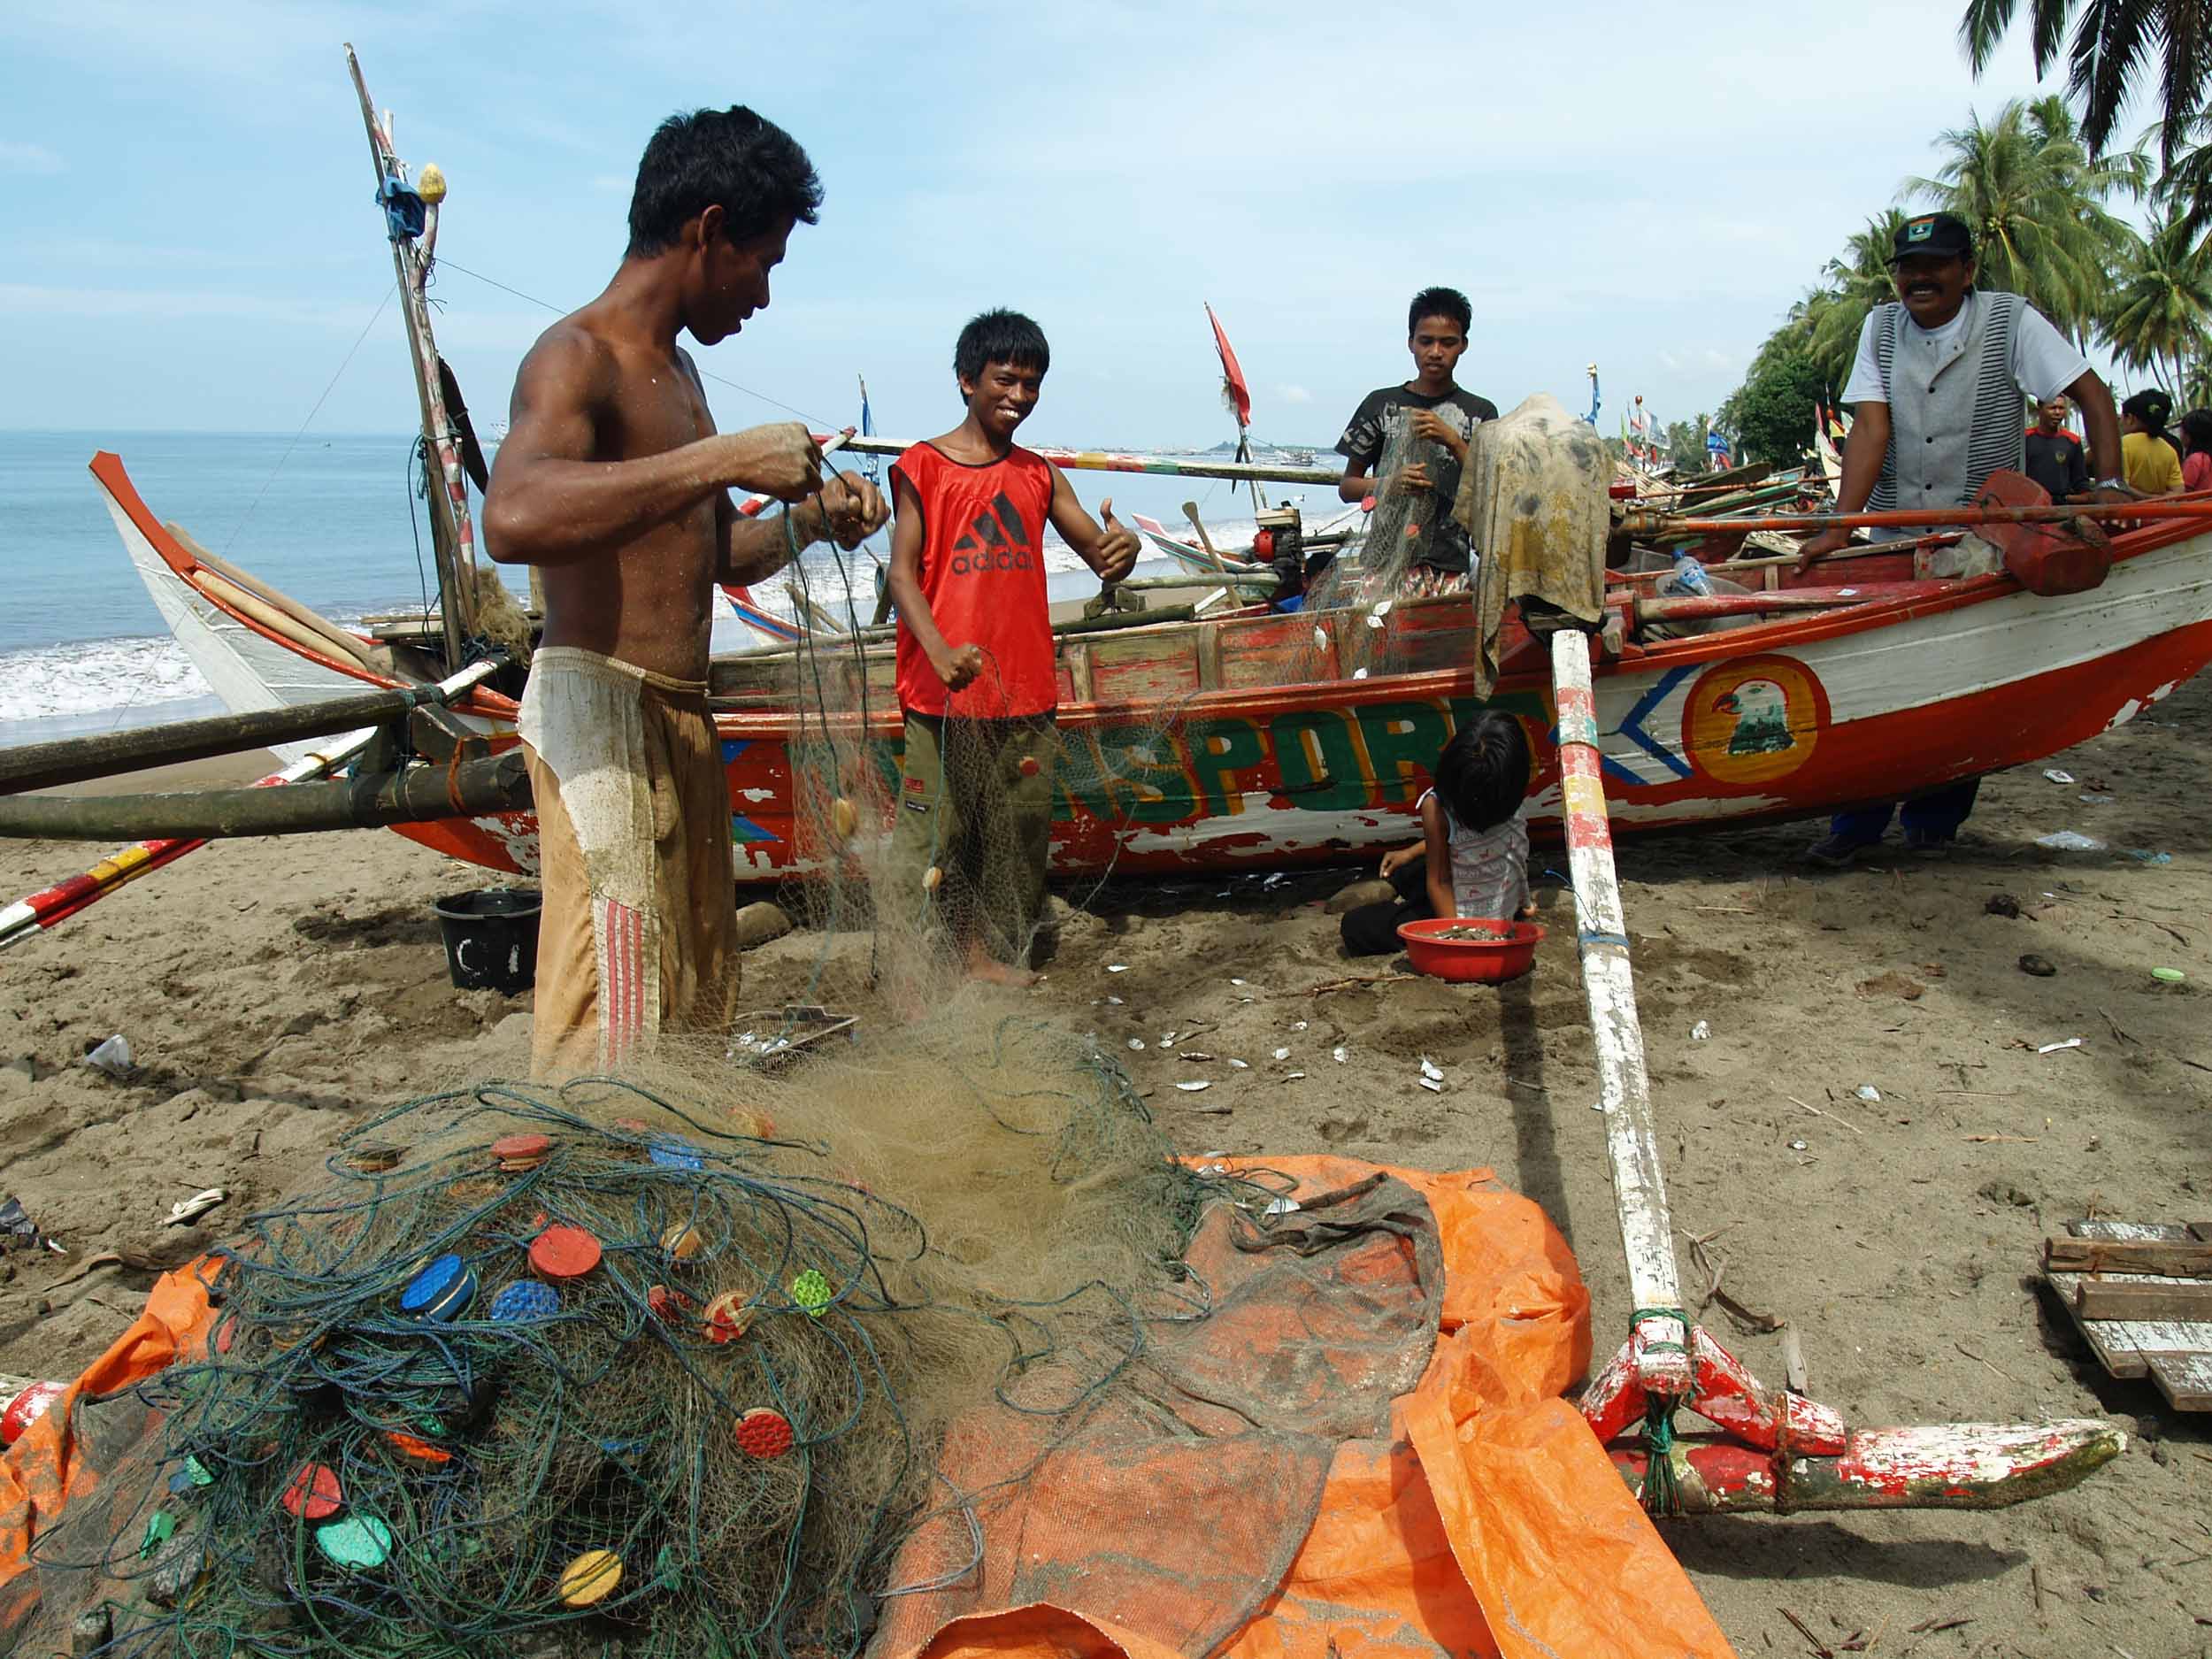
{"x":1661,"y":1492}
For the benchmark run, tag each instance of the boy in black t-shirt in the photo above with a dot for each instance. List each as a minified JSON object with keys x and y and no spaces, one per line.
{"x":1433,"y":408}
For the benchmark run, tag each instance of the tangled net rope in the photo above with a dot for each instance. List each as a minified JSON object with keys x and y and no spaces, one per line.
{"x":554,"y":1370}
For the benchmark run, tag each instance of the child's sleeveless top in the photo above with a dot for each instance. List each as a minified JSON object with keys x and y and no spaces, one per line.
{"x":983,"y":573}
{"x":1489,"y":867}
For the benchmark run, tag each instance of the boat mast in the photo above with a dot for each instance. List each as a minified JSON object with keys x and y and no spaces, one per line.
{"x":452,"y":536}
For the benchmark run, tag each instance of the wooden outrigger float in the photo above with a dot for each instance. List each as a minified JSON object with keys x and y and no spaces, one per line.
{"x":1777,"y":1452}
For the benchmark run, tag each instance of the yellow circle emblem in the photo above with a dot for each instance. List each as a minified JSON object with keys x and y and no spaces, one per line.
{"x":1753,"y":720}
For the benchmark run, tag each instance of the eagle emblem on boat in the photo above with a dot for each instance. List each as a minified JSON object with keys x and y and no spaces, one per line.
{"x":1761,"y":708}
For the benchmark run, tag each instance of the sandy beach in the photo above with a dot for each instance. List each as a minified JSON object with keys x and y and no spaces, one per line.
{"x":274,"y":991}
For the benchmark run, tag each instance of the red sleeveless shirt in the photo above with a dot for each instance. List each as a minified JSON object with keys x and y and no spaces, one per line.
{"x":983,"y":573}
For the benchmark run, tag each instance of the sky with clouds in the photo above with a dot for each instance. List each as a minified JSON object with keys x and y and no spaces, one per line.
{"x":192,"y":244}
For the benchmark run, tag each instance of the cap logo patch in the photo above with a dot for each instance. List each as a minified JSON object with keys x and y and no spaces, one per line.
{"x":1918,"y":230}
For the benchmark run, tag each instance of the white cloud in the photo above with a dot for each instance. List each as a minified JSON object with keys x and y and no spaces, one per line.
{"x":1293,"y":393}
{"x":15,"y":157}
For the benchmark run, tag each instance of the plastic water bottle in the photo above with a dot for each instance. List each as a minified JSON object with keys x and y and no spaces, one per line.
{"x":1688,"y":580}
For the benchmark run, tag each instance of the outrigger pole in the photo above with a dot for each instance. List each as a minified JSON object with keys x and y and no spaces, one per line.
{"x":1165,"y":466}
{"x":1641,"y":521}
{"x":1775,"y":1451}
{"x":414,"y":246}
{"x":50,"y":906}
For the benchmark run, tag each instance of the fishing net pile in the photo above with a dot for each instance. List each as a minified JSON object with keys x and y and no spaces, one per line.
{"x":614,"y":1368}
{"x":912,"y":910}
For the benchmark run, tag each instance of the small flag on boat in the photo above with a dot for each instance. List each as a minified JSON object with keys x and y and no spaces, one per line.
{"x":1232,"y":387}
{"x":871,"y":466}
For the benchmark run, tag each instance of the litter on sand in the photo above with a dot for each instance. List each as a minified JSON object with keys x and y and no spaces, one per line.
{"x":113,"y":1057}
{"x":1136,"y":1045}
{"x":190,"y":1208}
{"x":2057,"y":776}
{"x":1434,"y":1086}
{"x":1700,"y":1032}
{"x":1431,"y":1069}
{"x":2169,"y":976}
{"x":1868,"y":1093}
{"x":1116,"y":967}
{"x":1339,"y":1054}
{"x":2052,"y":1047}
{"x":1192,"y":1088}
{"x":2070,"y":841}
{"x":1282,"y":1054}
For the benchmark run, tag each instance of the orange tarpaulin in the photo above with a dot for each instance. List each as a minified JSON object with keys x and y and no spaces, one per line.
{"x":1488,"y":1522}
{"x":46,"y":1468}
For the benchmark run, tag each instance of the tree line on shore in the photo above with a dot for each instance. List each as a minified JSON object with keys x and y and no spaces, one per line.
{"x":2049,"y":224}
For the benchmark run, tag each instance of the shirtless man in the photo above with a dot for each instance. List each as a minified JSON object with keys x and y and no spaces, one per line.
{"x":613,"y":481}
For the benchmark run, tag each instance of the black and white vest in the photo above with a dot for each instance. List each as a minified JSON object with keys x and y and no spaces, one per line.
{"x":1953,"y":421}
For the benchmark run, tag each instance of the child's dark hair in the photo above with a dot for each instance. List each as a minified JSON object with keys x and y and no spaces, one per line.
{"x":1482,"y":775}
{"x":1000,"y":336}
{"x":2152,"y":407}
{"x":2196,"y":430}
{"x":1439,"y":303}
{"x":732,"y":158}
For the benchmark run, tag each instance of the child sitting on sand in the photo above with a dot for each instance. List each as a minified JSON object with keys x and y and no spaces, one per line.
{"x":976,"y":677}
{"x":1472,"y":859}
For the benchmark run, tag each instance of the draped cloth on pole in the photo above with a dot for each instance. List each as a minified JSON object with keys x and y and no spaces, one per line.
{"x":1533,"y":500}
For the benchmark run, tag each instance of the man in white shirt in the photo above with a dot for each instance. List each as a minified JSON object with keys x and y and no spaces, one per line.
{"x":1937,"y":392}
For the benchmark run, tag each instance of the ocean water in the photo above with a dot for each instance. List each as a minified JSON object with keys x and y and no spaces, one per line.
{"x":82,"y":646}
{"x":325,"y":519}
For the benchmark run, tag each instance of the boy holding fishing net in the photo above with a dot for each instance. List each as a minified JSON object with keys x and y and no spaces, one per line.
{"x":1406,"y":446}
{"x":976,"y":678}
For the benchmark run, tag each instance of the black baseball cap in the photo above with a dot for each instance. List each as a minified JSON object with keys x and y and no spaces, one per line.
{"x":1934,"y":236}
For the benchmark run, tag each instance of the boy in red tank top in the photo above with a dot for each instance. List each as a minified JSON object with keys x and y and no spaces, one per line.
{"x":977,"y":676}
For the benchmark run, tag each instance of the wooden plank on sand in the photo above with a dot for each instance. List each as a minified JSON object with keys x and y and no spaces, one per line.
{"x":2143,"y":1298}
{"x":2127,"y":1347}
{"x":2094,"y":1256}
{"x":2185,"y":1380}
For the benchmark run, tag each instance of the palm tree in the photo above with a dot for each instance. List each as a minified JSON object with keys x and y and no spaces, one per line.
{"x":1857,"y":281}
{"x":2161,"y":314}
{"x":2035,"y":202}
{"x":2112,"y":43}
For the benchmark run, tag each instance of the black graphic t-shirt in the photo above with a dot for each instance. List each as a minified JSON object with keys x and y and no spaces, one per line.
{"x":2055,"y":461}
{"x":1380,"y":415}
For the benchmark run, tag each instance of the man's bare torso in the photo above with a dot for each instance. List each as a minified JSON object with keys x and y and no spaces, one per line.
{"x":651,"y":604}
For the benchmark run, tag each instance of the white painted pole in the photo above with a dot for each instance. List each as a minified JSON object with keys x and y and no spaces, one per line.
{"x":1624,"y":1089}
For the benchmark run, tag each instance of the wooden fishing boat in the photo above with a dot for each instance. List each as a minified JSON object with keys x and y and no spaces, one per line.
{"x":1255,"y":742}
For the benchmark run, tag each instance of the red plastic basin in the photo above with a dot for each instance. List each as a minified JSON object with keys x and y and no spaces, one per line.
{"x":1480,"y":961}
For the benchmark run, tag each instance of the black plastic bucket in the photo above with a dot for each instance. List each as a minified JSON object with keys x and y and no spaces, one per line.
{"x":491,"y":939}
